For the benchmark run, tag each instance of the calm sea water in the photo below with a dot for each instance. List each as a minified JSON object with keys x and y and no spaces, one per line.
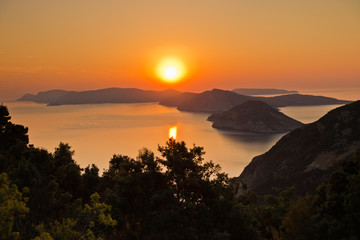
{"x":96,"y":132}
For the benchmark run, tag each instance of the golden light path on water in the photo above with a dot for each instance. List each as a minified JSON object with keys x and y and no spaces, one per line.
{"x":173,"y":132}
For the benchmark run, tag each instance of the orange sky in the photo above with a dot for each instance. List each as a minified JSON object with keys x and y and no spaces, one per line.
{"x":81,"y":45}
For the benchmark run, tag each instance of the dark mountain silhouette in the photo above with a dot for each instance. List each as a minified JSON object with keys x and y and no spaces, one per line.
{"x":218,"y":100}
{"x":305,"y":157}
{"x":176,"y":100}
{"x":261,"y":91}
{"x":109,"y":95}
{"x":301,"y":100}
{"x":254,"y":116}
{"x":215,"y":100}
{"x":44,"y":97}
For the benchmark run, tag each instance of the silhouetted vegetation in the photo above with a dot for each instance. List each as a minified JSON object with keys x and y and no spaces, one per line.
{"x":175,"y":196}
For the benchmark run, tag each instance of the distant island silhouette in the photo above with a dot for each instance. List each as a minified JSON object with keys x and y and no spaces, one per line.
{"x":262,"y":91}
{"x":108,"y":95}
{"x":215,"y":100}
{"x":218,"y":100}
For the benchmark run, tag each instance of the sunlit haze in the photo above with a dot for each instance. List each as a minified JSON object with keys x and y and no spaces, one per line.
{"x":81,"y":45}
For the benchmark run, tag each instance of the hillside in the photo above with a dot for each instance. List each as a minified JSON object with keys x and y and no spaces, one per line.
{"x":216,"y":100}
{"x":304,"y":157}
{"x":44,"y":97}
{"x":254,"y":116}
{"x":177,"y":99}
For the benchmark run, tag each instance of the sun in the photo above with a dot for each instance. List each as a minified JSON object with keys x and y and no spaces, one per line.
{"x":170,"y":70}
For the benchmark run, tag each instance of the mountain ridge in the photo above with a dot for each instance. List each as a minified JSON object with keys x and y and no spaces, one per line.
{"x":211,"y":101}
{"x":106,"y":95}
{"x":218,"y":100}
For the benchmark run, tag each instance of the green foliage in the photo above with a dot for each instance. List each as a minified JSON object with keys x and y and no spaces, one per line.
{"x":44,"y":236}
{"x":91,"y":223}
{"x":271,"y":214}
{"x":12,"y":208}
{"x":96,"y":213}
{"x":297,"y":224}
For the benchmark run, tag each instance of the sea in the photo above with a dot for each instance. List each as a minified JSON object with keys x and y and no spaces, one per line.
{"x":98,"y":131}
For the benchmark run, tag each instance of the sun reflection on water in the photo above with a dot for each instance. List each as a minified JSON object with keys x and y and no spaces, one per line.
{"x":173,"y":132}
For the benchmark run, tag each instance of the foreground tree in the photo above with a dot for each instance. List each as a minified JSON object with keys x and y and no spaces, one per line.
{"x":178,"y":196}
{"x":13,"y":140}
{"x":12,"y":208}
{"x":11,"y":135}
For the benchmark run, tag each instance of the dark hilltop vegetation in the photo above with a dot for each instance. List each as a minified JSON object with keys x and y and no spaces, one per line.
{"x":179,"y":195}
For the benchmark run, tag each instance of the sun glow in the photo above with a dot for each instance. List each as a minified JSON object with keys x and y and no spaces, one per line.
{"x":173,"y":132}
{"x":170,"y":70}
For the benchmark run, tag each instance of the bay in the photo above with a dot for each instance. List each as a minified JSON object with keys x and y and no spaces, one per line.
{"x":96,"y":132}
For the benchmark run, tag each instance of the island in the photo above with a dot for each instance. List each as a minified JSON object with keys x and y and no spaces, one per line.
{"x":215,"y":100}
{"x":256,"y":117}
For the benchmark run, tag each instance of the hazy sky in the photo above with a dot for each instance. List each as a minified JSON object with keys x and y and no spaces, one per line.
{"x":89,"y":44}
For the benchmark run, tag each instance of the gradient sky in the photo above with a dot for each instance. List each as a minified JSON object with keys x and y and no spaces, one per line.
{"x":81,"y":45}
